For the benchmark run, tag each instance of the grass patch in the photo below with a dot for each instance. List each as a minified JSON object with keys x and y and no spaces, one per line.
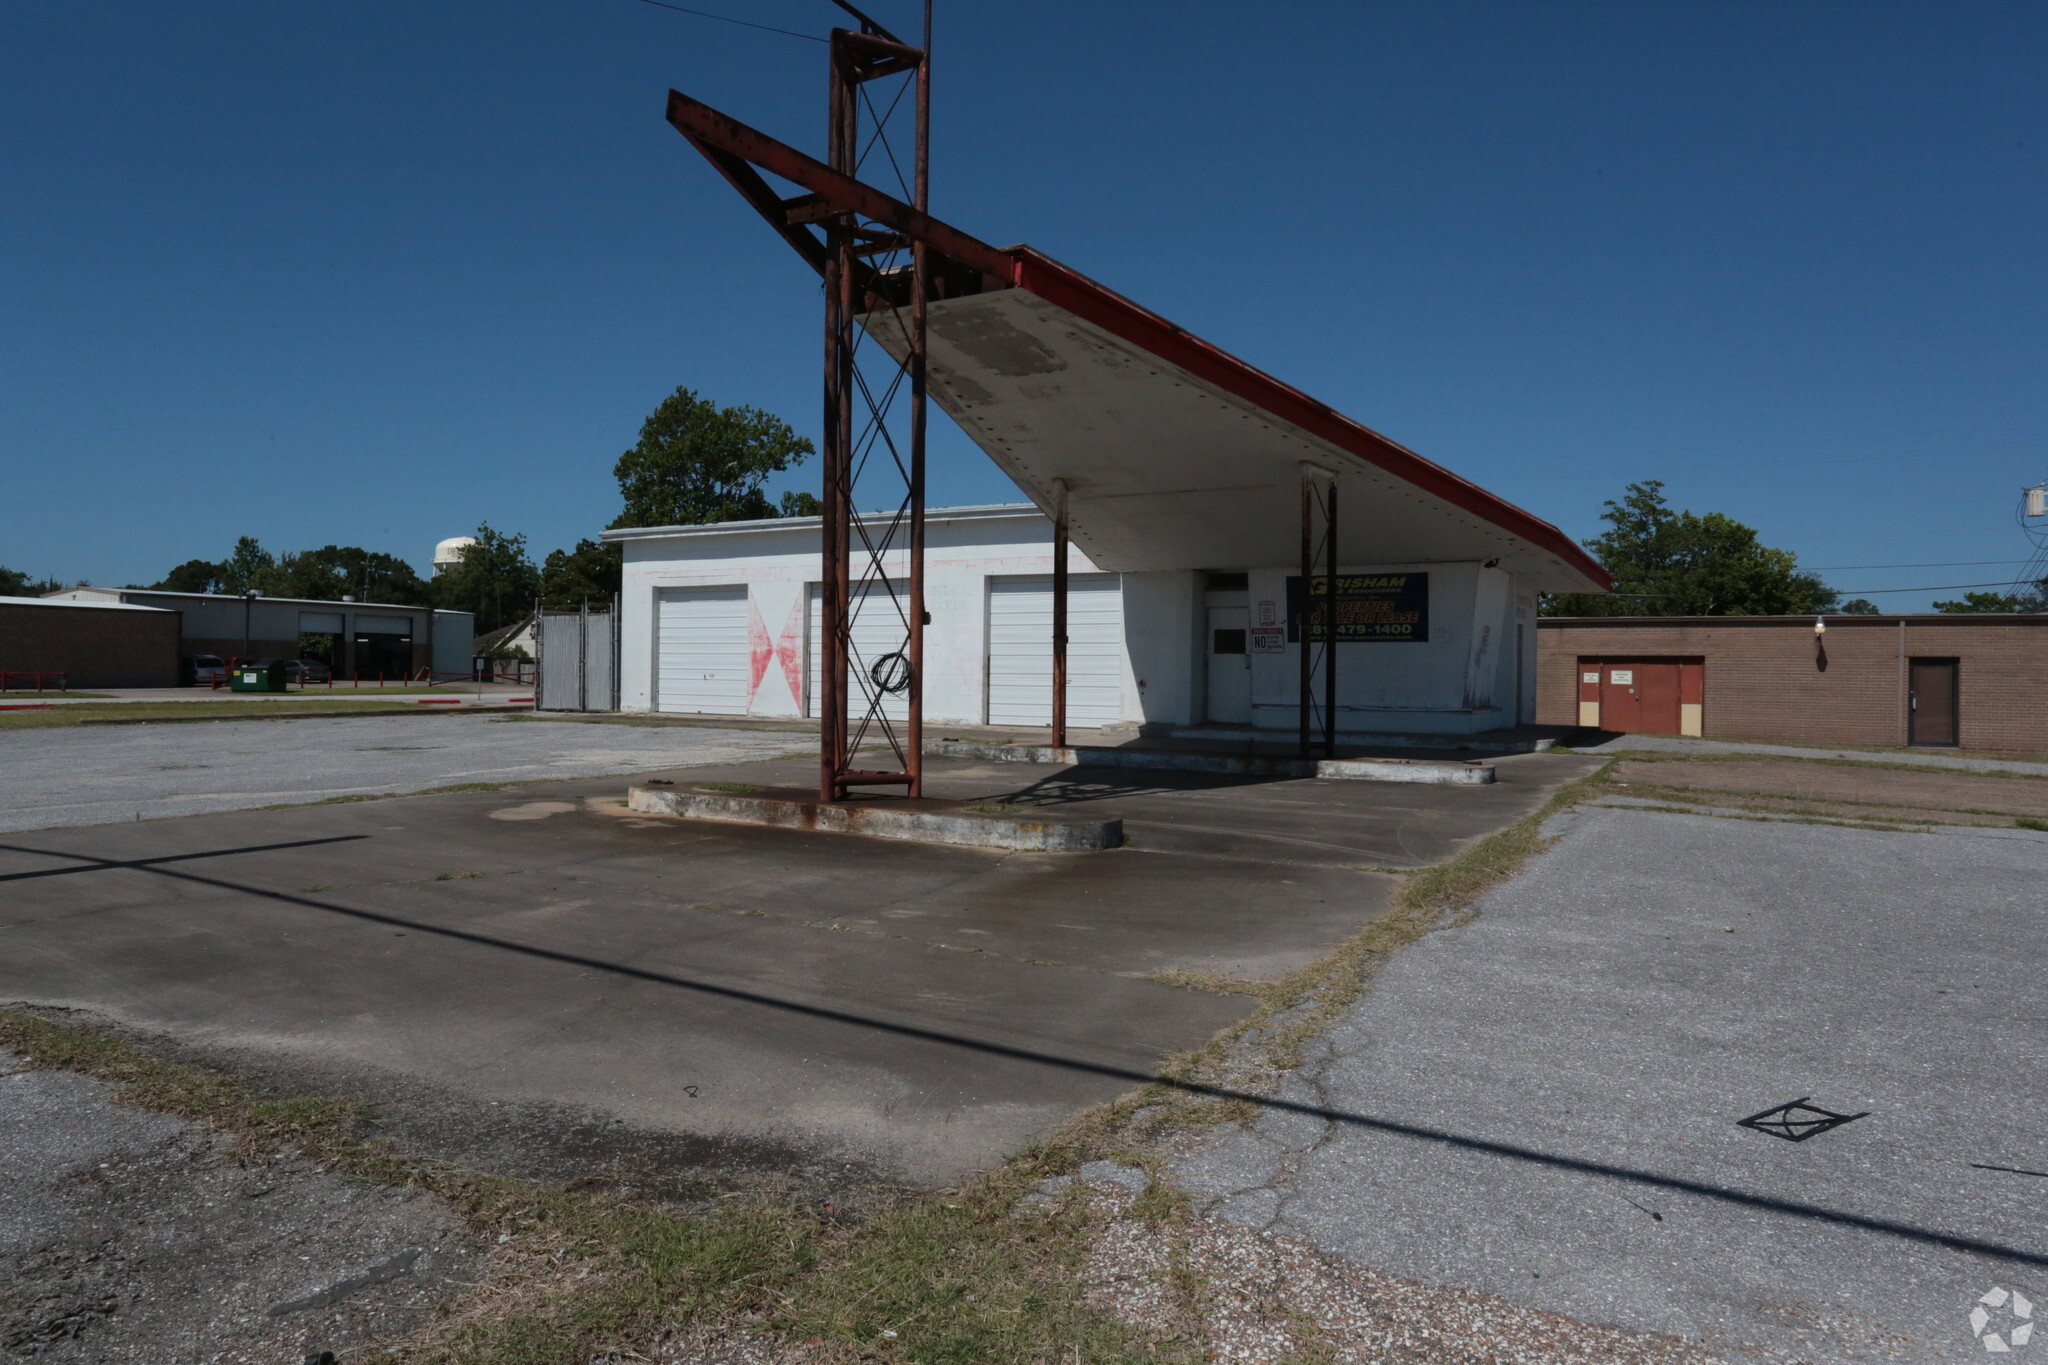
{"x":2029,"y":822}
{"x":993,"y":808}
{"x":48,"y":694}
{"x":943,"y":1279}
{"x":1782,"y":803}
{"x":1214,"y":982}
{"x":141,"y":712}
{"x":1860,"y":764}
{"x":735,"y":788}
{"x":458,"y":876}
{"x":1760,"y":818}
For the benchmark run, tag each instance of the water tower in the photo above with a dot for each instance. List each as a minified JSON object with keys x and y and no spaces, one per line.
{"x":449,"y":553}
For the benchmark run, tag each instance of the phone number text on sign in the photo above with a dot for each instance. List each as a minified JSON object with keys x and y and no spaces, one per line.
{"x":1370,"y":608}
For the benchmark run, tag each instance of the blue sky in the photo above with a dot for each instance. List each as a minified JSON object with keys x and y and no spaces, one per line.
{"x":372,"y":273}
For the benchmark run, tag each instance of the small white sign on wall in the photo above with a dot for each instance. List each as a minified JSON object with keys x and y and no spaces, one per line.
{"x":1269,"y":640}
{"x":1589,"y":677}
{"x":1622,"y":677}
{"x":1269,"y":613}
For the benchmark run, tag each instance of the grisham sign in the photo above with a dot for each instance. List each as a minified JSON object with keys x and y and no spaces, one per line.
{"x":1371,"y":608}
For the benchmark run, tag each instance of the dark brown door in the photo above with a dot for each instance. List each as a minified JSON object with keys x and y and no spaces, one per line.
{"x":1639,"y":695}
{"x":1931,"y":696}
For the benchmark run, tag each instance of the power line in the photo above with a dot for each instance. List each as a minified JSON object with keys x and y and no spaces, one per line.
{"x":1949,"y":564}
{"x":728,"y":19}
{"x":1941,"y":587}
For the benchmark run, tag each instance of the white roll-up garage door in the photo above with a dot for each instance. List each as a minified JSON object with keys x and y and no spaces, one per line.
{"x":877,"y":630}
{"x":1020,"y":650}
{"x":701,"y":646}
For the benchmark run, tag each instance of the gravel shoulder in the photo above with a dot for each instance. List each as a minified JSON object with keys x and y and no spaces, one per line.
{"x":128,"y":1235}
{"x":74,"y":776}
{"x":1541,"y":1103}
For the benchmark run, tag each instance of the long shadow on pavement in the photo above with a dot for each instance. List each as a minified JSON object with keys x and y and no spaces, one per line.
{"x":1789,"y":1208}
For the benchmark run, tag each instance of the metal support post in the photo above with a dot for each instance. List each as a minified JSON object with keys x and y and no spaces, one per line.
{"x":1305,"y":624}
{"x":1317,"y":625}
{"x":877,"y":307}
{"x":1059,"y":614}
{"x":1330,"y":644}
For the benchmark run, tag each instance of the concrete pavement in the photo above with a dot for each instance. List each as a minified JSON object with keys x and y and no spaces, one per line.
{"x":1542,"y":1102}
{"x":782,"y":1001}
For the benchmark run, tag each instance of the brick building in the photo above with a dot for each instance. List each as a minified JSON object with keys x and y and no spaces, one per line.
{"x":1976,"y":682}
{"x":93,"y":644}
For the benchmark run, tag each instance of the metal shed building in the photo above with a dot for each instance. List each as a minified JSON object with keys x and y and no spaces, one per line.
{"x":368,"y":638}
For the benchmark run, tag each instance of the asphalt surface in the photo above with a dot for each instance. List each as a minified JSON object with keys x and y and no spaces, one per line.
{"x":127,"y":1235}
{"x":785,"y":1000}
{"x":102,"y":775}
{"x":1542,"y":1103}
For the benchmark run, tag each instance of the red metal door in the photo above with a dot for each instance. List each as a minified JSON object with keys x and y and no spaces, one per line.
{"x":1640,"y":695}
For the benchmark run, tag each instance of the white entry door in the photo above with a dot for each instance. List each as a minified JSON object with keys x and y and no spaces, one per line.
{"x":701,"y":651}
{"x":1020,"y":650}
{"x":1230,"y":665}
{"x":878,"y":630}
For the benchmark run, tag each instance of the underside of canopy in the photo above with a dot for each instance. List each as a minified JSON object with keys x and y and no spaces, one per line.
{"x":1174,"y":453}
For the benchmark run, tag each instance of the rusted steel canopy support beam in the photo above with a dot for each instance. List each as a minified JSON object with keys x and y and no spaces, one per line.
{"x":723,"y":140}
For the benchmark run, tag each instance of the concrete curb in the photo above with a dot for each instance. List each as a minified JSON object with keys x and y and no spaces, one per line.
{"x":925,"y":822}
{"x":1466,"y":773}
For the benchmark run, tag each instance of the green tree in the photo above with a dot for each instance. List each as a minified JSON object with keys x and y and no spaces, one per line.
{"x":194,"y":575}
{"x":249,"y":566}
{"x":589,"y":573}
{"x":1862,"y":606}
{"x":14,"y":583}
{"x":333,"y":572}
{"x":697,"y":463}
{"x":795,"y":504}
{"x":1673,"y":563}
{"x":495,"y":582}
{"x":1999,"y":603}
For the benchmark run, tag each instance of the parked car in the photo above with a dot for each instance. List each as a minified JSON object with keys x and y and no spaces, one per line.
{"x":308,"y":671}
{"x":206,"y":670}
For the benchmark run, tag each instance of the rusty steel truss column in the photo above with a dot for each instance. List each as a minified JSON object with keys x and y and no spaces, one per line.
{"x":1318,"y":625}
{"x":877,"y":304}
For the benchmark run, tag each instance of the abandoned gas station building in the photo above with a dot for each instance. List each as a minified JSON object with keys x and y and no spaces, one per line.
{"x":1974,"y":682}
{"x":724,"y":620}
{"x":1235,"y":555}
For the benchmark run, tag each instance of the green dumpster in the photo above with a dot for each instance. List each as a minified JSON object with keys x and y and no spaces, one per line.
{"x":259,"y":675}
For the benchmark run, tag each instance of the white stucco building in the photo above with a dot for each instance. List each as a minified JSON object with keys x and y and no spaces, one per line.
{"x":724,"y":620}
